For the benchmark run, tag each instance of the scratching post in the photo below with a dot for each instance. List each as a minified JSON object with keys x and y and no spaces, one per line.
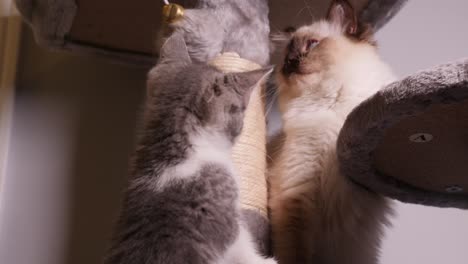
{"x":249,"y":152}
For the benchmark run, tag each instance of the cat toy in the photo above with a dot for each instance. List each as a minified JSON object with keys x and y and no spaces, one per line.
{"x":172,"y":12}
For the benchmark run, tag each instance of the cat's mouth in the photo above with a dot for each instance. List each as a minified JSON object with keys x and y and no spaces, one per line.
{"x":291,"y":66}
{"x":297,"y":54}
{"x":294,"y":66}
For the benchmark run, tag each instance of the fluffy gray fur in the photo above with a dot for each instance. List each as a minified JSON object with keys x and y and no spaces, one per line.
{"x":216,"y":26}
{"x":194,"y":219}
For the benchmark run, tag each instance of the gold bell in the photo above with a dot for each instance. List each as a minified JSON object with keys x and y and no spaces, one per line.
{"x":172,"y":12}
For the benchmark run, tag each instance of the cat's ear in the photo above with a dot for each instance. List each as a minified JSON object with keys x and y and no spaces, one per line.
{"x":175,"y":50}
{"x":248,"y":80}
{"x":342,"y":13}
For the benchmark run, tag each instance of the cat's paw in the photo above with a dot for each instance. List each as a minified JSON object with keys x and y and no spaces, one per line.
{"x":253,"y":261}
{"x":250,"y":260}
{"x":269,"y":261}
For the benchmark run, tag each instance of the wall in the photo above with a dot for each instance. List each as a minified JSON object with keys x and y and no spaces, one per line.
{"x":73,"y":129}
{"x":10,"y":32}
{"x":426,"y":33}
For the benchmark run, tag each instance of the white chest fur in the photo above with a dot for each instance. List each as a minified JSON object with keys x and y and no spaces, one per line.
{"x":206,"y":148}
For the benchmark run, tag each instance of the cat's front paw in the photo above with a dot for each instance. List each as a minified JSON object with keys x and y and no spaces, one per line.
{"x":269,"y":261}
{"x":250,"y":260}
{"x":254,"y":261}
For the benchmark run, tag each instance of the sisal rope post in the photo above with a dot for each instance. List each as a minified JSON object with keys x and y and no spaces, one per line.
{"x":249,"y":152}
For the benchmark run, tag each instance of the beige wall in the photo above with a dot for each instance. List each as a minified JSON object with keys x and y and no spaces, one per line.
{"x":10,"y":31}
{"x":72,"y":132}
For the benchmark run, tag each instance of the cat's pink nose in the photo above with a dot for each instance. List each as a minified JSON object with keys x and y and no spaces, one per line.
{"x":291,"y":65}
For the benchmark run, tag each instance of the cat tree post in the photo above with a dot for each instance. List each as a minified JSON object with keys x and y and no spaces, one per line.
{"x":249,"y":152}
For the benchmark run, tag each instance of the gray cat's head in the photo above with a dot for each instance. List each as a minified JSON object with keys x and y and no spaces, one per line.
{"x":199,"y":95}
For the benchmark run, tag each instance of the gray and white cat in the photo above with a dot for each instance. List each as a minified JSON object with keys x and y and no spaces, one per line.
{"x":182,"y":202}
{"x":317,"y":215}
{"x":216,"y":26}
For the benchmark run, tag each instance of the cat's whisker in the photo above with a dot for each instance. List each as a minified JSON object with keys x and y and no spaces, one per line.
{"x":300,"y":12}
{"x":309,"y":9}
{"x":275,"y":28}
{"x":274,"y":93}
{"x":269,"y":107}
{"x":278,"y":140}
{"x":268,"y":157}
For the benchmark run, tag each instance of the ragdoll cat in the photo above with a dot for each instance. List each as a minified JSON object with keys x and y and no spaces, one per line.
{"x":216,"y":26}
{"x":317,"y":215}
{"x":181,"y":205}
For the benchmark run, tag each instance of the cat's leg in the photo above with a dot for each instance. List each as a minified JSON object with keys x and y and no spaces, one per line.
{"x":244,"y":251}
{"x":355,"y":220}
{"x":360,"y":236}
{"x":295,"y":225}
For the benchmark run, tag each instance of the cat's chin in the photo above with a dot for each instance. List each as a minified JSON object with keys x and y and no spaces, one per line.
{"x":287,"y":73}
{"x":293,"y":78}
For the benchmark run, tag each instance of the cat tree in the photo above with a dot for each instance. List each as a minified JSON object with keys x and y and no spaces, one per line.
{"x":409,"y":141}
{"x":126,"y":31}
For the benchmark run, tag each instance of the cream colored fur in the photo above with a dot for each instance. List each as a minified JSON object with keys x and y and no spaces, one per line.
{"x":317,"y":215}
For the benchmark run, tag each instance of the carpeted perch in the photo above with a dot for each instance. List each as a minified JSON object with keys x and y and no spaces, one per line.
{"x":410,"y":140}
{"x":125,"y":32}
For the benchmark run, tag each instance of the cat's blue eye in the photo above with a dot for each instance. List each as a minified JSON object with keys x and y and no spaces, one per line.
{"x":311,"y":43}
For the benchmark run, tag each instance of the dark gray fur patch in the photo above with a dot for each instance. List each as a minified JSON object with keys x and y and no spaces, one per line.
{"x":190,"y":222}
{"x":259,"y":227}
